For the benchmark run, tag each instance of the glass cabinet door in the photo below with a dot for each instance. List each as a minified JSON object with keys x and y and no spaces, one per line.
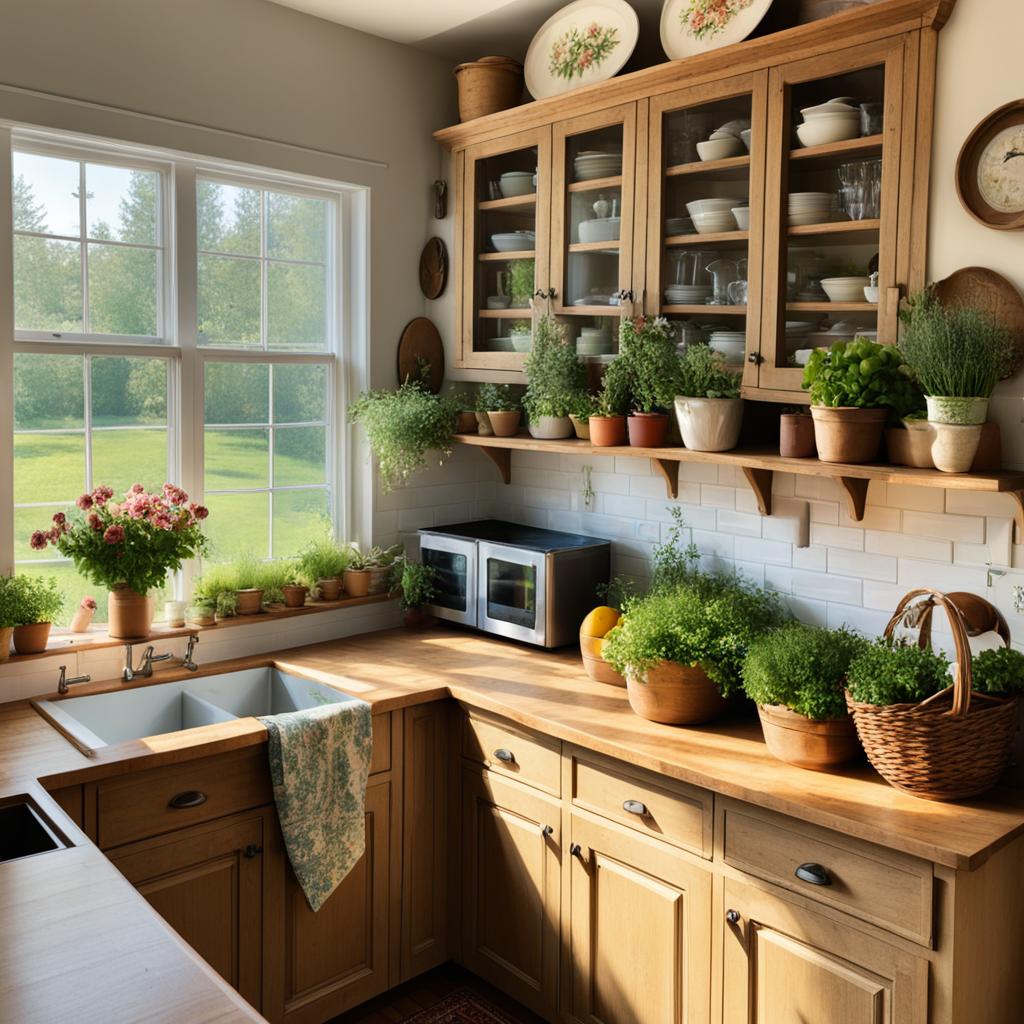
{"x":831,"y":260}
{"x":507,"y":193}
{"x":706,"y":173}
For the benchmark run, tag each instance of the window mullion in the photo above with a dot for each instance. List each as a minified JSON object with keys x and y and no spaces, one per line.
{"x":83,"y":248}
{"x":6,"y":359}
{"x":87,"y":417}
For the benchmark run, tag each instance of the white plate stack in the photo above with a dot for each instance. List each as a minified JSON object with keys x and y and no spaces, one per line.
{"x":835,"y":121}
{"x":679,"y":226}
{"x":595,"y":164}
{"x":514,"y":241}
{"x":687,"y":294}
{"x":731,"y":344}
{"x":595,"y":341}
{"x":810,"y":208}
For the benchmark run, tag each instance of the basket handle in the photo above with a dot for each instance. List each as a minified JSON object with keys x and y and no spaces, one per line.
{"x":963,"y":679}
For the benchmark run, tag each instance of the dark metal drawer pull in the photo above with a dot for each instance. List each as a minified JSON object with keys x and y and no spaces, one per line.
{"x":190,"y":798}
{"x":505,"y":755}
{"x":815,"y":874}
{"x":635,"y":807}
{"x":732,"y":916}
{"x":252,"y":850}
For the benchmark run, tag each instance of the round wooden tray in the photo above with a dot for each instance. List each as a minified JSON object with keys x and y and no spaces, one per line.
{"x":433,"y":268}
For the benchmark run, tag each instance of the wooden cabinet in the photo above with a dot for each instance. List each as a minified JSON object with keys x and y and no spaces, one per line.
{"x":785,"y":963}
{"x":639,"y":930}
{"x":511,"y":865}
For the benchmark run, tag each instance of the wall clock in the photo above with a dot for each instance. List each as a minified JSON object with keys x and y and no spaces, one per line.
{"x":990,"y":169}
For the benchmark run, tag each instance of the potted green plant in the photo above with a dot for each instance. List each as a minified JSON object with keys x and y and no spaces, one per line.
{"x":419,"y":588}
{"x":648,"y":347}
{"x":402,"y":426}
{"x":854,"y":386}
{"x":521,"y":333}
{"x":554,"y":376}
{"x":372,"y":571}
{"x":521,"y":275}
{"x":608,"y":421}
{"x":217,"y":588}
{"x":320,"y":566}
{"x":465,"y":414}
{"x":33,"y":602}
{"x":8,"y":614}
{"x":294,"y":589}
{"x":248,"y":586}
{"x":795,"y":675}
{"x":128,"y":546}
{"x":708,"y":404}
{"x":957,"y":354}
{"x":201,"y":612}
{"x":499,"y":405}
{"x":584,"y":405}
{"x":796,"y":434}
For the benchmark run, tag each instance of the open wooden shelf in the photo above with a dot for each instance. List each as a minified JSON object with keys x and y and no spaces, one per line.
{"x":732,"y":163}
{"x":509,"y":203}
{"x":711,"y":238}
{"x":758,"y":466}
{"x":595,"y":184}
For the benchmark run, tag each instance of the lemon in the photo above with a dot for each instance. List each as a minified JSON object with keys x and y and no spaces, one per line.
{"x":600,"y":621}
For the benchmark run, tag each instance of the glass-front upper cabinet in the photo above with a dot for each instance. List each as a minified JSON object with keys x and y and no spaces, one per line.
{"x":705,"y":213}
{"x":506,"y":219}
{"x":833,"y":259}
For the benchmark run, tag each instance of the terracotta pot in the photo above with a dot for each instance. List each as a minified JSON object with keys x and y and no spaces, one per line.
{"x":675,"y":695}
{"x":582,"y":428}
{"x":911,"y":444}
{"x":505,"y":424}
{"x":483,"y":425}
{"x":466,"y":423}
{"x":954,"y":446}
{"x":250,"y":601}
{"x":417,"y":618}
{"x":710,"y":424}
{"x":647,"y":429}
{"x":796,"y":436}
{"x":380,"y":580}
{"x":963,"y":412}
{"x":129,"y":614}
{"x":330,"y":588}
{"x":797,"y":740}
{"x":592,"y":650}
{"x":294,"y":595}
{"x":6,"y":633}
{"x":607,"y":431}
{"x":31,"y":638}
{"x":551,"y":428}
{"x":848,"y":435}
{"x":357,"y":582}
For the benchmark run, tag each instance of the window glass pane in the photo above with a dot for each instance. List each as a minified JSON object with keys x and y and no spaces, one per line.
{"x":237,"y":392}
{"x":122,"y":290}
{"x":46,"y":194}
{"x":49,"y":392}
{"x":128,"y":390}
{"x":48,"y":467}
{"x":47,"y":285}
{"x":122,"y":204}
{"x":296,"y":306}
{"x":123,"y":456}
{"x":236,"y":459}
{"x":300,"y":393}
{"x":238,"y":525}
{"x":296,"y":228}
{"x":300,"y":456}
{"x":229,"y":301}
{"x":299,"y":517}
{"x":228,"y":218}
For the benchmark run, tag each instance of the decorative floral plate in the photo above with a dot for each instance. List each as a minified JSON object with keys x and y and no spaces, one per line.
{"x":588,"y":41}
{"x":696,"y":26}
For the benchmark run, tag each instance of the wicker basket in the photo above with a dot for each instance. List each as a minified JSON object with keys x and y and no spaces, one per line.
{"x":488,"y":85}
{"x":953,"y":745}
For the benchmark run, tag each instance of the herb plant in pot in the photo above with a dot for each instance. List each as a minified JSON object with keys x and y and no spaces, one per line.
{"x":465,"y":414}
{"x":372,"y":571}
{"x":795,"y":675}
{"x":8,"y":613}
{"x":796,"y":434}
{"x":584,"y":405}
{"x":320,"y":566}
{"x":294,"y":590}
{"x":501,"y":409}
{"x":33,"y":603}
{"x":649,"y":349}
{"x":419,"y":588}
{"x":554,"y":377}
{"x":607,"y":422}
{"x":708,"y":404}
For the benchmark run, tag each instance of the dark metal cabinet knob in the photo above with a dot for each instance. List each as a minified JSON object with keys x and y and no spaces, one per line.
{"x":190,"y":798}
{"x":813,"y":874}
{"x":635,"y":807}
{"x":505,"y":755}
{"x":577,"y":851}
{"x":756,"y":358}
{"x":548,"y":831}
{"x":252,"y":850}
{"x":552,"y":293}
{"x":732,"y":916}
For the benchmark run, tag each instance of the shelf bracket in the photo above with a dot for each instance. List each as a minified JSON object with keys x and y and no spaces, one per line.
{"x":668,"y":470}
{"x":760,"y":481}
{"x":856,"y":495}
{"x":1018,"y":516}
{"x":502,"y":458}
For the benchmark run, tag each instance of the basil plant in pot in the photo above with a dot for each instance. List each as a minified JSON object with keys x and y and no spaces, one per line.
{"x":795,"y":675}
{"x":648,"y":348}
{"x":554,"y":378}
{"x":708,"y":403}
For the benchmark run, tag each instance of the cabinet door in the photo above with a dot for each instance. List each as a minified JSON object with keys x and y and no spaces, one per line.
{"x":505,"y":244}
{"x":640,"y":930}
{"x":783,"y":963}
{"x":834,"y":209}
{"x":511,"y":866}
{"x":207,"y":882}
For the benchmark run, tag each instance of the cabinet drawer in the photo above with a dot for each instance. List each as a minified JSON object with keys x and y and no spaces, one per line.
{"x":140,"y":805}
{"x":885,"y":887}
{"x":662,"y":808}
{"x":516,"y":753}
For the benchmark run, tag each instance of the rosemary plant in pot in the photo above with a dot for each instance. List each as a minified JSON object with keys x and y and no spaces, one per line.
{"x":554,"y":377}
{"x":649,"y":349}
{"x":607,"y":424}
{"x":499,"y":408}
{"x":708,"y":403}
{"x":957,"y":355}
{"x":128,"y":546}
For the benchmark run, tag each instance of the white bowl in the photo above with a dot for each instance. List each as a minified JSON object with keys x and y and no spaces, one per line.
{"x":745,"y":136}
{"x":716,"y":205}
{"x":742,"y":215}
{"x":498,"y":301}
{"x":600,"y":229}
{"x":734,"y":127}
{"x":871,"y":294}
{"x":516,"y":183}
{"x":832,"y":107}
{"x":514,"y":241}
{"x":822,"y":131}
{"x":522,"y":342}
{"x":712,"y":223}
{"x":845,"y":289}
{"x":720,"y":149}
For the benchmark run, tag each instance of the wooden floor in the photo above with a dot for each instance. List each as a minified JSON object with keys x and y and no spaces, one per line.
{"x":421,"y":993}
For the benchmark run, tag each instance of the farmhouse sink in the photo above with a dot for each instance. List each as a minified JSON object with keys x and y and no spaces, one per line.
{"x":24,"y":832}
{"x":104,"y":719}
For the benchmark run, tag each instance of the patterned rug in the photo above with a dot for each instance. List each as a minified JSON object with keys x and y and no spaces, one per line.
{"x":463,"y":1007}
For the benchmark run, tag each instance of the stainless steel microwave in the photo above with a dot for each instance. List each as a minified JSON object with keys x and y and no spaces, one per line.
{"x":517,"y":581}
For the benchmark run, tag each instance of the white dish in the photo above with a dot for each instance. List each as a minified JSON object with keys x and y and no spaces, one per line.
{"x":714,"y":205}
{"x":732,"y":350}
{"x":514,"y":241}
{"x":600,"y":229}
{"x":810,"y":197}
{"x":516,"y":183}
{"x":805,"y":217}
{"x":742,"y":216}
{"x":822,"y":132}
{"x":832,"y":107}
{"x":845,"y":289}
{"x":720,"y":149}
{"x":871,"y":294}
{"x":745,"y":135}
{"x":714,"y":223}
{"x":679,"y":39}
{"x":498,"y":301}
{"x":522,"y":342}
{"x":734,"y":127}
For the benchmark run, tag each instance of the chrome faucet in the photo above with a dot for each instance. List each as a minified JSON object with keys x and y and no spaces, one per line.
{"x":145,"y":669}
{"x":63,"y":683}
{"x":189,"y":662}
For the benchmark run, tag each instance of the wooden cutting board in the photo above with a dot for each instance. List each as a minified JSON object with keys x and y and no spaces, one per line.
{"x":420,"y":345}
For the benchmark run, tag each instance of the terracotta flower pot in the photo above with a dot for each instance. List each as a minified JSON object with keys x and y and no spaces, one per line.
{"x":675,"y":695}
{"x":6,"y":633}
{"x":129,"y":614}
{"x":483,"y":425}
{"x":911,"y":444}
{"x":647,"y":429}
{"x":250,"y":601}
{"x":797,"y":740}
{"x":357,"y":582}
{"x":551,"y":428}
{"x":380,"y":580}
{"x":607,"y":431}
{"x":31,"y":638}
{"x":330,"y":588}
{"x":848,"y":435}
{"x":417,"y":618}
{"x":592,"y":650}
{"x":294,"y":595}
{"x":796,"y":436}
{"x":505,"y":424}
{"x":466,"y":423}
{"x":954,"y":446}
{"x":709,"y":424}
{"x":582,"y":428}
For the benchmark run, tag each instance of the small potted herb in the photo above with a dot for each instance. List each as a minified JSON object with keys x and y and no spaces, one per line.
{"x":371,"y":572}
{"x":201,"y":612}
{"x":217,"y":587}
{"x":708,"y":404}
{"x":34,"y":602}
{"x":419,"y":588}
{"x":795,"y":675}
{"x":465,"y":414}
{"x":248,"y":586}
{"x":554,"y":376}
{"x":293,"y":589}
{"x":583,"y":406}
{"x":8,"y":614}
{"x":320,"y":566}
{"x":499,"y":406}
{"x":796,"y":434}
{"x":648,"y":347}
{"x":608,"y":421}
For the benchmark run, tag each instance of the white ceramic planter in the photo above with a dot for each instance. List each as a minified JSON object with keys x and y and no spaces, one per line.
{"x":955,"y":446}
{"x":963,"y":412}
{"x":709,"y":424}
{"x":551,"y":428}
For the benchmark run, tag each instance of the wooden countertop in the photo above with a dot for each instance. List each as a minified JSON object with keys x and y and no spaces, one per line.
{"x":79,"y":942}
